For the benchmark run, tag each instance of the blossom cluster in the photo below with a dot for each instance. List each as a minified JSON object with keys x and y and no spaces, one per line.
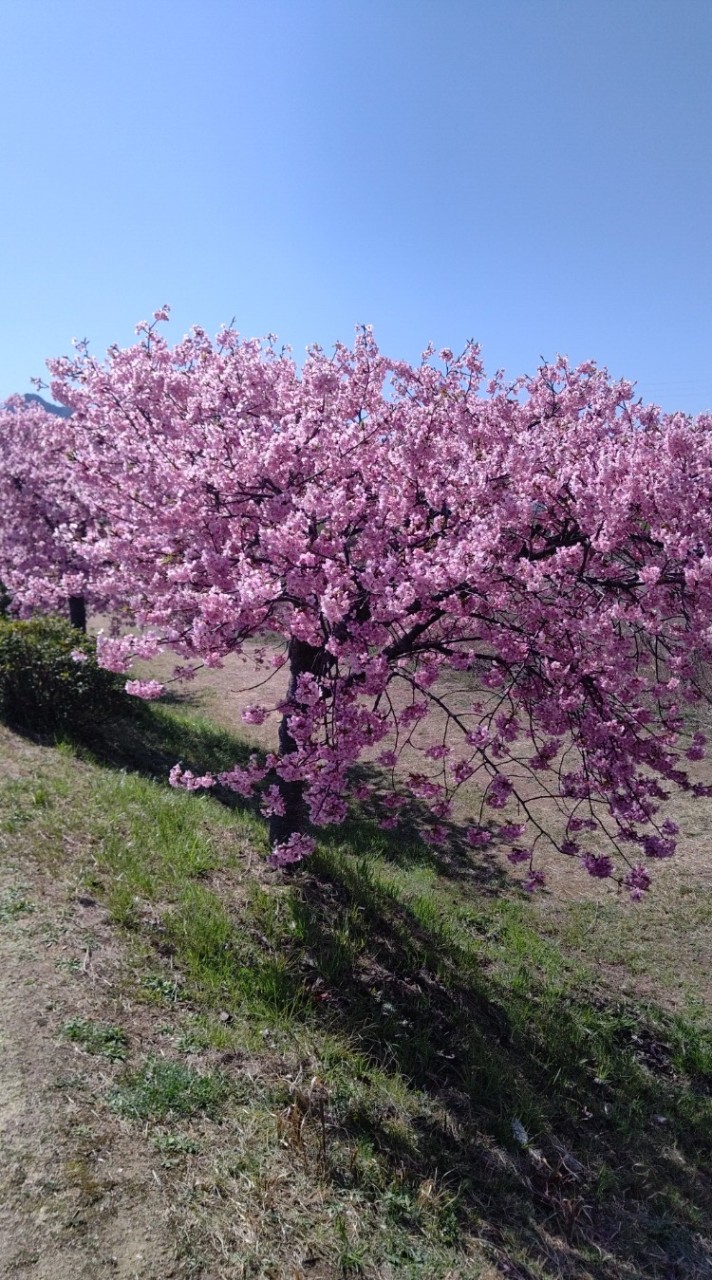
{"x":42,"y":519}
{"x":525,"y":566}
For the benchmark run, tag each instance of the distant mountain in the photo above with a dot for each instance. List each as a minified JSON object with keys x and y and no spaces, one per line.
{"x":60,"y":409}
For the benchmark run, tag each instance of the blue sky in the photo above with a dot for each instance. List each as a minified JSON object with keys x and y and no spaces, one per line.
{"x":536,"y":174}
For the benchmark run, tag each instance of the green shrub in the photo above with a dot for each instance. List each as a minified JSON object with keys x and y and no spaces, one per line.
{"x":47,"y":690}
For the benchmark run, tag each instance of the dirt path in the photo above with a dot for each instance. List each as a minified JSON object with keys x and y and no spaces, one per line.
{"x":79,"y":1199}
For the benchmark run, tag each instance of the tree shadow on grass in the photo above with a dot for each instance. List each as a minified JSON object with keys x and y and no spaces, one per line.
{"x":571,"y":1129}
{"x":405,"y":845}
{"x":151,"y":739}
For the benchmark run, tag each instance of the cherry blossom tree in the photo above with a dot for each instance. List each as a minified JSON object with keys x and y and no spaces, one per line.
{"x":524,"y":567}
{"x":42,"y":521}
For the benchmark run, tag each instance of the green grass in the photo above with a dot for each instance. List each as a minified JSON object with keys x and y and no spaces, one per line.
{"x":162,"y":1089}
{"x":405,"y":1067}
{"x":13,"y":904}
{"x":97,"y":1037}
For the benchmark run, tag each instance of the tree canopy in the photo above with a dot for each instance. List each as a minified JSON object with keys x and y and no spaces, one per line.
{"x":527,"y":564}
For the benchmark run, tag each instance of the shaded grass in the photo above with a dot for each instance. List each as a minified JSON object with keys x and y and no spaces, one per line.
{"x":151,"y":739}
{"x":417,"y":1077}
{"x":512,"y":1045}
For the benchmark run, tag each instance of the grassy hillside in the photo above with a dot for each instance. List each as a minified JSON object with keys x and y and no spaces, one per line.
{"x":386,"y":1065}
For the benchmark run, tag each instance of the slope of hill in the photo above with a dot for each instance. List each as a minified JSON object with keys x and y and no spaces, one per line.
{"x":390,"y":1065}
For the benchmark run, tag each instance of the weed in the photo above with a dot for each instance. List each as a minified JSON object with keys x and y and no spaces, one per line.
{"x":97,"y":1037}
{"x":159,"y":987}
{"x":162,"y":1089}
{"x":13,"y":903}
{"x":174,"y":1148}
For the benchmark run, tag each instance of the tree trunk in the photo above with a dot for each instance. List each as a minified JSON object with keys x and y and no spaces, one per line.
{"x":78,"y":612}
{"x":303,"y":658}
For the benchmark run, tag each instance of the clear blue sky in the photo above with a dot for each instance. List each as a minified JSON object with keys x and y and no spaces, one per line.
{"x":536,"y":174}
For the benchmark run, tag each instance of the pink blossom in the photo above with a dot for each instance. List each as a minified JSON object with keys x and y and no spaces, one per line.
{"x":462,"y":770}
{"x":43,"y":520}
{"x":147,"y":689}
{"x":295,"y":849}
{"x":499,"y":791}
{"x":478,"y":837}
{"x":637,"y":881}
{"x":598,"y":865}
{"x":519,"y":855}
{"x":410,"y":715}
{"x":658,"y":846}
{"x":479,"y":737}
{"x":389,"y":526}
{"x":512,"y":831}
{"x":437,"y":835}
{"x":117,"y":654}
{"x":244,"y":781}
{"x":189,"y":781}
{"x":582,"y":824}
{"x":254,"y":714}
{"x":272,"y":802}
{"x":697,"y":750}
{"x":534,"y":880}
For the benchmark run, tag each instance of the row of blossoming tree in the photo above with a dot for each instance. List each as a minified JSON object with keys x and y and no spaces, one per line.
{"x":523,"y":567}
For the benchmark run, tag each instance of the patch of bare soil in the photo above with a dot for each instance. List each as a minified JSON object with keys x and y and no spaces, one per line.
{"x":79,"y":1199}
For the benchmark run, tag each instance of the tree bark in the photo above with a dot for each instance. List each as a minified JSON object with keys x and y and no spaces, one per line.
{"x":78,"y":613}
{"x":303,"y":658}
